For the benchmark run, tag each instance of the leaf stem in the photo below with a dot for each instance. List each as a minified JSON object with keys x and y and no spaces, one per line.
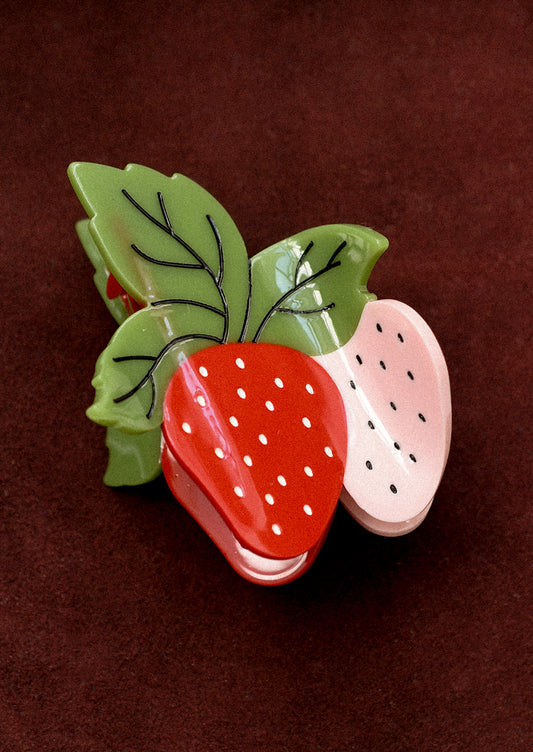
{"x":248,"y":305}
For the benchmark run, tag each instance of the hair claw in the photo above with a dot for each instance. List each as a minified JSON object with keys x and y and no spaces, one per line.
{"x":264,"y":389}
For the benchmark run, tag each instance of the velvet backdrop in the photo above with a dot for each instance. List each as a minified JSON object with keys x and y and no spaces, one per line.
{"x":121,"y":626}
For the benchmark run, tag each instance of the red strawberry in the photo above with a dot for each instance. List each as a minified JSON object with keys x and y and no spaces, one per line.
{"x":254,"y":447}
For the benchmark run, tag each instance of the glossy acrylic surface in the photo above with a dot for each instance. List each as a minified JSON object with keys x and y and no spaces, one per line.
{"x":165,"y":251}
{"x":162,"y":236}
{"x":261,"y":429}
{"x":308,"y":291}
{"x":395,"y":387}
{"x":272,"y":380}
{"x":259,"y":569}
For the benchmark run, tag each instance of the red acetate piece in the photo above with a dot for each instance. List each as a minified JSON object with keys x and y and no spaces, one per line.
{"x":255,"y":447}
{"x":114,"y":289}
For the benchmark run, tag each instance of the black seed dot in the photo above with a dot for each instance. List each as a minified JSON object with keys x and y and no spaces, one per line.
{"x":393,"y":488}
{"x":359,"y":359}
{"x":382,"y":364}
{"x":396,"y":445}
{"x":368,"y":464}
{"x":410,"y":375}
{"x":400,"y":337}
{"x":421,"y":417}
{"x":393,"y":405}
{"x":412,"y":458}
{"x":378,"y":327}
{"x":352,"y":384}
{"x":371,"y":425}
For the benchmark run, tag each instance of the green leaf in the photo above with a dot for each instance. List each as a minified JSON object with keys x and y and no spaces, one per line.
{"x":115,"y":306}
{"x":133,"y":458}
{"x":165,"y":238}
{"x":308,"y":291}
{"x":134,"y":370}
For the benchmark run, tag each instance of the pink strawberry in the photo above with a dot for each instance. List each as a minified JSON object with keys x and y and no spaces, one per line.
{"x":254,"y":446}
{"x":396,"y":391}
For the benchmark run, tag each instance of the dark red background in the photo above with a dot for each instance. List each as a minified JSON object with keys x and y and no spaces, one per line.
{"x":121,"y":627}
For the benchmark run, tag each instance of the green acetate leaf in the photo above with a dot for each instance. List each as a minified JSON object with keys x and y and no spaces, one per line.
{"x":165,"y":238}
{"x":133,"y":372}
{"x":308,"y":291}
{"x":115,"y":306}
{"x":133,"y":458}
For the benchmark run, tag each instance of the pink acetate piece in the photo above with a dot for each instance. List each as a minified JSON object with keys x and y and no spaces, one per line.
{"x":394,"y":382}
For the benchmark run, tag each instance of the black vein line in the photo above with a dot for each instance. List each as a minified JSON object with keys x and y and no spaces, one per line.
{"x":169,"y":230}
{"x":170,"y":301}
{"x":156,"y":360}
{"x":164,"y":210}
{"x":301,"y":261}
{"x":278,"y":304}
{"x":152,"y":402}
{"x":122,"y":358}
{"x":220,"y":276}
{"x":216,"y":233}
{"x":337,"y":251}
{"x":306,"y":311}
{"x":162,"y":262}
{"x":201,"y":263}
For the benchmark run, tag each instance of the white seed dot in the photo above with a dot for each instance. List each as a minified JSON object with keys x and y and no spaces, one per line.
{"x":329,"y":451}
{"x":247,"y":460}
{"x":278,"y":382}
{"x":203,"y":371}
{"x":263,"y":439}
{"x":238,"y":492}
{"x":219,"y":453}
{"x":276,"y":529}
{"x":281,"y":480}
{"x":234,"y":422}
{"x":308,"y":510}
{"x":201,"y":400}
{"x":239,"y":363}
{"x":269,"y":499}
{"x":308,"y":471}
{"x":306,"y":422}
{"x":269,"y":405}
{"x":309,"y":388}
{"x":186,"y":427}
{"x":241,"y":393}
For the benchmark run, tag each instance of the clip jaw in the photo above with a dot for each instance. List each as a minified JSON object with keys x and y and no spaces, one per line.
{"x":254,"y":445}
{"x":258,"y":386}
{"x":261,"y":570}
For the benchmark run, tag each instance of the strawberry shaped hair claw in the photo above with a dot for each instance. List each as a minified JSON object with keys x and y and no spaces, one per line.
{"x":264,"y":389}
